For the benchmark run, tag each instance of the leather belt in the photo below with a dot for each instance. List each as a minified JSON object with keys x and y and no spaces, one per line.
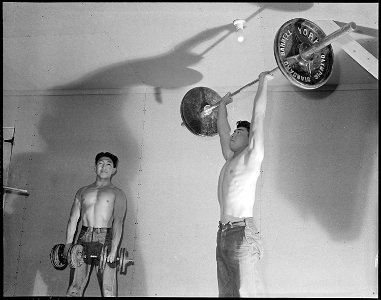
{"x":231,"y":224}
{"x":95,"y":229}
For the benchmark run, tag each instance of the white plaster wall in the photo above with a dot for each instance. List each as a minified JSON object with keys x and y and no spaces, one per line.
{"x":316,"y":199}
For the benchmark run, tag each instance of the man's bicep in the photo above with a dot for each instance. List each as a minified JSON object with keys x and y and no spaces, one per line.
{"x":225,"y":145}
{"x":76,"y":206}
{"x":256,"y":138}
{"x":120,"y":204}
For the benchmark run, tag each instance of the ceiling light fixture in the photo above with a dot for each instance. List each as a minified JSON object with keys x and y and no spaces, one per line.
{"x":239,"y":25}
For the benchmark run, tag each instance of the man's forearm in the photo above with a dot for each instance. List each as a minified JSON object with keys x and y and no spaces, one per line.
{"x":222,"y":119}
{"x":117,"y":229}
{"x":70,"y":231}
{"x":260,"y":98}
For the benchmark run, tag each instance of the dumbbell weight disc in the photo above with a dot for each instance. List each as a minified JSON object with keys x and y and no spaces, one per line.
{"x":57,"y":258}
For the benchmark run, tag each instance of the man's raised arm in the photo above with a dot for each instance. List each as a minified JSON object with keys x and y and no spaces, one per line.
{"x":223,"y":126}
{"x":256,"y":136}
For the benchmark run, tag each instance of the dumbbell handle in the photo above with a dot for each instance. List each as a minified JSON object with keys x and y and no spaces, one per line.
{"x":97,"y":256}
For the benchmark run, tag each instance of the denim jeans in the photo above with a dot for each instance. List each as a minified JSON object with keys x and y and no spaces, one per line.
{"x":93,"y":240}
{"x":239,"y":248}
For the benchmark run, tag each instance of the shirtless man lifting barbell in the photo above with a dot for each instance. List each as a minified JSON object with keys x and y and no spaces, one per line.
{"x":238,"y":243}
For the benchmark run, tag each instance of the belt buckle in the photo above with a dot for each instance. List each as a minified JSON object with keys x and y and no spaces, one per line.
{"x":225,"y":226}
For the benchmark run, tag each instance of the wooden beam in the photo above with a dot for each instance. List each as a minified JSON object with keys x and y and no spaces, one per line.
{"x":352,"y":48}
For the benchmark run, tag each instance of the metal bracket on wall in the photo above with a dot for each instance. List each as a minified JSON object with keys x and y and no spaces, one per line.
{"x":10,"y":140}
{"x":362,"y":56}
{"x":7,"y":188}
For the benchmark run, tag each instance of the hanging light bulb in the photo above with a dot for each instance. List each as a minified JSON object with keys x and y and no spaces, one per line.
{"x":239,"y":25}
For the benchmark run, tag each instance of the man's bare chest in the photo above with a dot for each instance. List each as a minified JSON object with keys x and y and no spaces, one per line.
{"x":94,"y":197}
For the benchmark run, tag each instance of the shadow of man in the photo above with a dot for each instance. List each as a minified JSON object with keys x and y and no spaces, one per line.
{"x":170,"y":70}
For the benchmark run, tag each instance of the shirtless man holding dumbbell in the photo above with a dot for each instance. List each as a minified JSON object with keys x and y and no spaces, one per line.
{"x":102,"y":207}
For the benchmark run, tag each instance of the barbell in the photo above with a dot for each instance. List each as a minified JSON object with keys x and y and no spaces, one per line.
{"x":303,"y":54}
{"x":77,"y":254}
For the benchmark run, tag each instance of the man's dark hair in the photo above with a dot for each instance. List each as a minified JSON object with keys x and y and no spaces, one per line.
{"x":245,"y":124}
{"x":109,"y":155}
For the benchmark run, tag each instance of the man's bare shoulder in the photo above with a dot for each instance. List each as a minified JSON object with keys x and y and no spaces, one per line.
{"x":247,"y":159}
{"x":241,"y":156}
{"x":253,"y":156}
{"x":119,"y":191}
{"x":83,"y":189}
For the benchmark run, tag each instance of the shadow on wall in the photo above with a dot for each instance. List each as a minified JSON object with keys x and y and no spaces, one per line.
{"x":286,"y":6}
{"x":325,"y":159}
{"x":170,"y":70}
{"x":325,"y":163}
{"x":73,"y":136}
{"x":74,"y":130}
{"x":71,"y":131}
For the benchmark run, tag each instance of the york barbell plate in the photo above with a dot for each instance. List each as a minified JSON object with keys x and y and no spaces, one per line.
{"x":292,"y":38}
{"x":193,"y":105}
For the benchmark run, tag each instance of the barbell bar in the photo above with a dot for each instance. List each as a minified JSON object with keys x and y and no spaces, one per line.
{"x":305,"y":55}
{"x":351,"y":26}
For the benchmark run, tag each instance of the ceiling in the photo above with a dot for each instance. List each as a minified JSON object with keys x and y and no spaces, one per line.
{"x":146,"y":46}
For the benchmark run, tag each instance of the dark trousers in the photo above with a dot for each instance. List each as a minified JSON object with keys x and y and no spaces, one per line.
{"x":239,"y":248}
{"x":93,"y":239}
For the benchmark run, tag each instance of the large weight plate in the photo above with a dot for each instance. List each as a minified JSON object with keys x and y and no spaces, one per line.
{"x":292,"y":38}
{"x":57,"y":258}
{"x":193,"y":105}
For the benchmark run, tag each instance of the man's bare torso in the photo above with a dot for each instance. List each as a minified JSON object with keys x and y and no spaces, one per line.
{"x":236,"y":188}
{"x":97,"y":205}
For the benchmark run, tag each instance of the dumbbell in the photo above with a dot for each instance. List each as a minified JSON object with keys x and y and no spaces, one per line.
{"x":76,"y":256}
